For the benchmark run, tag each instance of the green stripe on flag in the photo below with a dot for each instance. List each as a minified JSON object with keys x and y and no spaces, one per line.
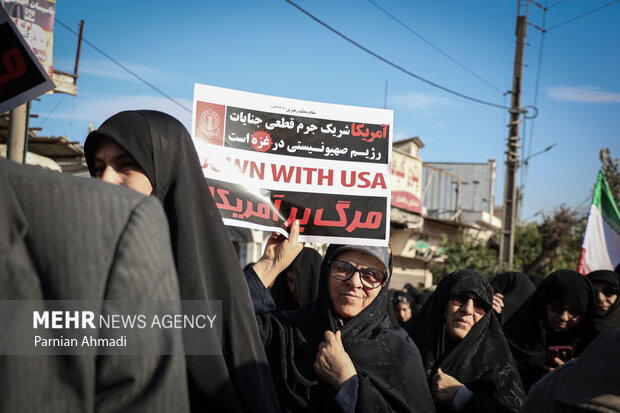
{"x":606,"y":204}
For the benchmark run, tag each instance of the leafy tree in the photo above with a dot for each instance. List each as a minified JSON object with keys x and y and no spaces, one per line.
{"x":559,"y":237}
{"x":568,"y":256}
{"x":466,"y":252}
{"x":527,"y":245}
{"x":540,"y":248}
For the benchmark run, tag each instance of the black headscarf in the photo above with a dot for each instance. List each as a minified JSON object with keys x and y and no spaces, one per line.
{"x":421,"y":298}
{"x":612,"y":317}
{"x":388,"y":364}
{"x":206,"y":262}
{"x":411,"y":290}
{"x":516,"y":288}
{"x":536,"y":279}
{"x":481,"y":361}
{"x":398,"y":296}
{"x":529,"y":334}
{"x":307,"y":268}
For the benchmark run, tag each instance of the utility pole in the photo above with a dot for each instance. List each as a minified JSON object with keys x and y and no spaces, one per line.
{"x":18,"y":134}
{"x":512,"y":155}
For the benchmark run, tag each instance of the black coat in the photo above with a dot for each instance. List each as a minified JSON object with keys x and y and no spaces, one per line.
{"x":482,"y":360}
{"x":206,"y":262}
{"x":387,"y":362}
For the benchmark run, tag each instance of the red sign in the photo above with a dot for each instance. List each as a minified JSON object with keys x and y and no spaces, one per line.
{"x":21,"y":76}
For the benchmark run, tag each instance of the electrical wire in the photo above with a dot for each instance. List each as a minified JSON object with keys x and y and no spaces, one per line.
{"x":585,"y":201}
{"x":555,"y":4}
{"x":125,"y":68}
{"x":394,"y":65}
{"x":432,"y":45}
{"x":53,"y":110}
{"x":583,"y":15}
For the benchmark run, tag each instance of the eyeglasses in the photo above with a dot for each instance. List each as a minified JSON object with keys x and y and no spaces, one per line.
{"x":343,"y":271}
{"x":462,"y":298}
{"x":559,"y":309}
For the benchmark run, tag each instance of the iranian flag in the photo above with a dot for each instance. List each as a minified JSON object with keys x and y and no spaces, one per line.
{"x":601,"y":243}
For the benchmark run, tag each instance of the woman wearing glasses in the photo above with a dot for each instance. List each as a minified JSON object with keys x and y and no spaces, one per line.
{"x":553,"y":325}
{"x":465,"y":354}
{"x":339,"y":352}
{"x":606,"y":285}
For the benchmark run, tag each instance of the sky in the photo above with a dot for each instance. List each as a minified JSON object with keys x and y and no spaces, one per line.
{"x":270,"y":47}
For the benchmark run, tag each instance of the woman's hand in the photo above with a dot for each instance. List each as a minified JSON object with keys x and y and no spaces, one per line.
{"x":445,"y":387}
{"x":498,"y":302}
{"x":558,"y":362}
{"x":332,"y":364}
{"x":278,"y":255}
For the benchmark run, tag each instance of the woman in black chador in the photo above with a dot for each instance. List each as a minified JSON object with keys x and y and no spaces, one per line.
{"x":152,"y":152}
{"x":465,"y":354}
{"x":559,"y":313}
{"x":606,"y":285}
{"x":403,"y":308}
{"x":340,"y":353}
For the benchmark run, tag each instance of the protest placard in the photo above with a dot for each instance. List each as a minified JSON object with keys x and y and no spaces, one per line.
{"x":35,"y":21}
{"x":270,"y":160}
{"x":21,"y":76}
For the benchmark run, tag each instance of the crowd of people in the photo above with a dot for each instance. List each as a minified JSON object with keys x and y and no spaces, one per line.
{"x":301,"y":331}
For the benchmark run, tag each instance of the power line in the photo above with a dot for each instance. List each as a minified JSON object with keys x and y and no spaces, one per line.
{"x":585,"y":201}
{"x":432,"y":45}
{"x":583,"y":15}
{"x":126,"y":69}
{"x":394,"y":65}
{"x":555,"y":4}
{"x":53,"y":110}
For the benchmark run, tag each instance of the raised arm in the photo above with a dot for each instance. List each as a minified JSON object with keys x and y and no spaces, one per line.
{"x":278,"y":255}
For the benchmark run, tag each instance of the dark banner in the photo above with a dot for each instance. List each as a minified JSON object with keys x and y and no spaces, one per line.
{"x":325,"y":215}
{"x":35,"y":21}
{"x":296,"y":136}
{"x":21,"y":76}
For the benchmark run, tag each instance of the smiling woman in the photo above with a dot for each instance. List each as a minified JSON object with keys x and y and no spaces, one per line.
{"x":465,"y":354}
{"x":340,"y":352}
{"x":350,"y":294}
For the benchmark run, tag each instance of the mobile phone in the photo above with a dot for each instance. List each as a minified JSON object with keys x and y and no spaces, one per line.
{"x":564,"y":353}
